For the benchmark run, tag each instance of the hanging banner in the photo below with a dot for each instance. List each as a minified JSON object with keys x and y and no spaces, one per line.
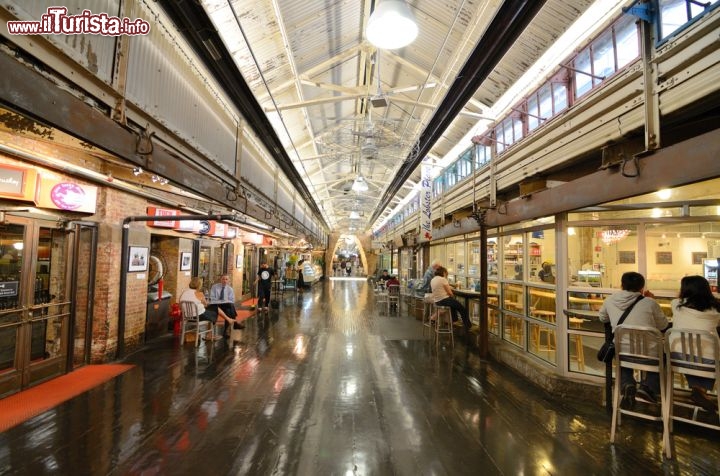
{"x":425,"y":203}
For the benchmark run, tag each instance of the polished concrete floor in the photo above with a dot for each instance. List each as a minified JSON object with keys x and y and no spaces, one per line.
{"x":327,"y":385}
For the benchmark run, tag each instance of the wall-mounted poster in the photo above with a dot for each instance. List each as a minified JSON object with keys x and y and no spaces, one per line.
{"x":138,"y":259}
{"x":626,"y":257}
{"x":185,"y":261}
{"x":698,"y":257}
{"x":663,"y":257}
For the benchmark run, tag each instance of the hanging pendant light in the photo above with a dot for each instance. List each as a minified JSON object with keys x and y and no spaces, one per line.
{"x":360,"y":185}
{"x":391,"y":25}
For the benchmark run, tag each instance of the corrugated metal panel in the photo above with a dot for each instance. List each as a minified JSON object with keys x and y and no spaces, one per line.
{"x":95,"y":52}
{"x":254,"y":171}
{"x":167,"y":85}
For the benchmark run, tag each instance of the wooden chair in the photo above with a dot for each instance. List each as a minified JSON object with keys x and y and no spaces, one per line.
{"x":639,"y":348}
{"x":688,"y":352}
{"x":191,"y":322}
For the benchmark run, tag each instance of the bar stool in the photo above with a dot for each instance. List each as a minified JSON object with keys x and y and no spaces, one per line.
{"x":443,"y":324}
{"x":539,"y":330}
{"x":579,"y":357}
{"x":427,"y":313}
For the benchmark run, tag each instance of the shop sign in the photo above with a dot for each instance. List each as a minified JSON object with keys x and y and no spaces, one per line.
{"x":64,"y":195}
{"x":8,"y":288}
{"x":254,"y":238}
{"x":232,"y":232}
{"x":205,"y":227}
{"x":162,"y":212}
{"x":187,"y":225}
{"x":220,"y":230}
{"x":17,"y":183}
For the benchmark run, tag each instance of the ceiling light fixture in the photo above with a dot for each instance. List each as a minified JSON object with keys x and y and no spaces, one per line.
{"x":391,"y":25}
{"x":354,"y":214}
{"x":360,"y":185}
{"x":137,"y":171}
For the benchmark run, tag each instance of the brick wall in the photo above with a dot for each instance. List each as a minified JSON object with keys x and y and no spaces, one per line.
{"x":113,"y":207}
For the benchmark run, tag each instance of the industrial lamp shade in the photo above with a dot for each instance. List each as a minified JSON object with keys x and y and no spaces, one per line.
{"x":391,"y":25}
{"x":360,"y":185}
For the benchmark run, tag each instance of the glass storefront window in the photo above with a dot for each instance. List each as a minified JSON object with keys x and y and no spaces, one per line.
{"x":599,"y":255}
{"x":494,"y":321}
{"x":541,"y":341}
{"x":542,"y":304}
{"x":541,"y":256}
{"x":473,"y":263}
{"x":513,"y":297}
{"x":450,"y":263}
{"x":513,"y":254}
{"x":513,"y":330}
{"x":460,"y":270}
{"x":492,"y":258}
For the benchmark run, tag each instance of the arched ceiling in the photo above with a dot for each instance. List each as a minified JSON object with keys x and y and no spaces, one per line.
{"x":341,"y":108}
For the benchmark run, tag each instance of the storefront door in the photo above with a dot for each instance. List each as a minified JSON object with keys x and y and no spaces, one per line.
{"x":35,"y":305}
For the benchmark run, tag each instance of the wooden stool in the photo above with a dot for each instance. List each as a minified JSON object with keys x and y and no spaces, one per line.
{"x":539,"y":330}
{"x":579,"y":356}
{"x":443,"y":324}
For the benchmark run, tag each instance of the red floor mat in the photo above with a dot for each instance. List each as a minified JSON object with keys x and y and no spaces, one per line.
{"x":22,"y":406}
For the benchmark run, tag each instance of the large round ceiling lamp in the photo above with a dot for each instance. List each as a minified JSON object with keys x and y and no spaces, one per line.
{"x":391,"y":25}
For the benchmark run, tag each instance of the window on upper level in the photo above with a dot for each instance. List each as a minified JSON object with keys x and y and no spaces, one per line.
{"x":674,"y":14}
{"x":483,"y":154}
{"x":437,"y":186}
{"x":611,"y":50}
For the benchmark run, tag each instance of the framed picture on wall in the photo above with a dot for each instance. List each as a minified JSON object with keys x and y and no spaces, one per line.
{"x":698,"y":257}
{"x":626,"y":257}
{"x":238,"y":261}
{"x":663,"y":257}
{"x":138,"y":259}
{"x":185,"y":261}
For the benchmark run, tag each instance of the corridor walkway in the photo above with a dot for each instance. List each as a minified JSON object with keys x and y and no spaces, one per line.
{"x":327,"y":385}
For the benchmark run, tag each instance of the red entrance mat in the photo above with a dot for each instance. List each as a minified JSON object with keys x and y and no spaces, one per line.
{"x":24,"y":405}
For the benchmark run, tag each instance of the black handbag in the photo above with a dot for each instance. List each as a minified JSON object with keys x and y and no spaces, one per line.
{"x":607,"y":351}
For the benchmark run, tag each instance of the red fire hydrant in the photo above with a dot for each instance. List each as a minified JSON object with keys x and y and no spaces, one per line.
{"x":176,"y":316}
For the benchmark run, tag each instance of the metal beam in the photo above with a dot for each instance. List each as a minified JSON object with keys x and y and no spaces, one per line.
{"x":507,"y":25}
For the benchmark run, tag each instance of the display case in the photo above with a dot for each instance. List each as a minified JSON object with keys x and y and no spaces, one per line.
{"x":312,"y":273}
{"x":590,"y":278}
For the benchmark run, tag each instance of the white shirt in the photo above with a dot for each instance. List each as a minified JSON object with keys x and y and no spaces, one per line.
{"x":439,"y":291}
{"x":686,"y":318}
{"x":189,"y":295}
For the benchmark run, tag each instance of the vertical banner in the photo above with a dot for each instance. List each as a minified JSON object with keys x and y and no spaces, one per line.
{"x":425,"y":202}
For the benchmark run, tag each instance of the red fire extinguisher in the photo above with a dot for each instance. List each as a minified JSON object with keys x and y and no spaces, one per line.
{"x":160,"y":288}
{"x":176,"y":316}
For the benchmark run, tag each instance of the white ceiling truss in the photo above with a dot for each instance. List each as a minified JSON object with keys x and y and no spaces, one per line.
{"x":341,"y":108}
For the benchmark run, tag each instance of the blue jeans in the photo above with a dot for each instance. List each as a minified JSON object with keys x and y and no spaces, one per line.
{"x":455,"y":307}
{"x":652,"y":379}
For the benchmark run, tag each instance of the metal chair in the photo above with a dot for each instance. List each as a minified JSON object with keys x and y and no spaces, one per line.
{"x":393,"y":297}
{"x":191,"y":321}
{"x":691,"y":352}
{"x":639,"y":348}
{"x":381,"y":296}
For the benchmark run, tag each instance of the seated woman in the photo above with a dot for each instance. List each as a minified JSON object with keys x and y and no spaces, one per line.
{"x":696,"y":309}
{"x":443,"y":294}
{"x":195,"y":295}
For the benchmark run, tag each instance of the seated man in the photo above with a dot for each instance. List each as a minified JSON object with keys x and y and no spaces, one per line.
{"x":222,"y":296}
{"x":194,"y":295}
